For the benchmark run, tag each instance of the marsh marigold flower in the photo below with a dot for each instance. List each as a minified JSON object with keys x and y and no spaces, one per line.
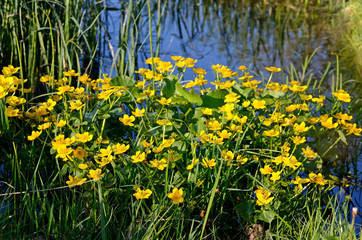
{"x":164,"y":101}
{"x":74,"y":181}
{"x":208,"y":163}
{"x":142,"y":194}
{"x":275,"y":176}
{"x":138,"y":112}
{"x":77,"y":105}
{"x":127,"y":120}
{"x":341,"y":95}
{"x":266,"y":170}
{"x":119,"y":149}
{"x":34,"y":135}
{"x":159,"y":164}
{"x":207,"y":111}
{"x":138,"y":157}
{"x":309,"y":153}
{"x":263,"y":196}
{"x":95,"y":174}
{"x":83,"y":137}
{"x":273,"y":69}
{"x":329,"y":123}
{"x":176,"y":196}
{"x":318,"y":179}
{"x":258,"y":104}
{"x":272,"y":133}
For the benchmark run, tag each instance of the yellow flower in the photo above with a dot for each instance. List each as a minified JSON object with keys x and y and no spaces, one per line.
{"x":44,"y":126}
{"x":224,"y":134}
{"x":119,"y":149}
{"x":352,"y":128}
{"x":77,"y":105}
{"x":273,"y":69}
{"x":193,"y":163}
{"x":60,"y":141}
{"x":291,"y":162}
{"x":70,"y":73}
{"x":127,"y":120}
{"x":63,"y":153}
{"x":83,"y":166}
{"x":84,"y":137}
{"x":138,"y":112}
{"x":266,"y":170}
{"x":160,"y":164}
{"x":243,"y":68}
{"x":176,"y":58}
{"x":162,"y":122}
{"x":329,"y":123}
{"x":75,"y":181}
{"x":14,"y":101}
{"x":104,"y":160}
{"x":320,"y":99}
{"x":272,"y":133}
{"x":158,"y":149}
{"x":300,"y":128}
{"x":258,"y":104}
{"x":147,"y":144}
{"x":227,"y":84}
{"x":231,"y":98}
{"x":263,"y":196}
{"x":105,"y":152}
{"x":207,"y":111}
{"x":142,"y":194}
{"x":297,"y":88}
{"x":79,"y":153}
{"x":318,"y":179}
{"x":12,"y":112}
{"x":299,"y":181}
{"x":64,"y":89}
{"x":341,"y":95}
{"x":228,"y":155}
{"x":341,"y":116}
{"x":241,"y":160}
{"x":95,"y":174}
{"x":138,"y":157}
{"x":275,"y":176}
{"x":34,"y":135}
{"x":214,"y":125}
{"x":246,"y":103}
{"x":298,"y":140}
{"x":49,"y":105}
{"x":309,"y":153}
{"x":105,"y":94}
{"x":164,"y":101}
{"x":208,"y":163}
{"x":176,"y":196}
{"x":227,"y":107}
{"x":61,"y":123}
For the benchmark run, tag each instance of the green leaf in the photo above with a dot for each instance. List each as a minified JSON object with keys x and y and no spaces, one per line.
{"x":245,"y":209}
{"x":193,"y":98}
{"x":122,"y":81}
{"x":267,"y":216}
{"x":242,"y":91}
{"x":170,"y":88}
{"x":274,"y":94}
{"x":342,"y":137}
{"x":214,"y":99}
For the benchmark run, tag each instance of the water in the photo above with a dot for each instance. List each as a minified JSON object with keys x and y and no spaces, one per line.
{"x":233,"y":34}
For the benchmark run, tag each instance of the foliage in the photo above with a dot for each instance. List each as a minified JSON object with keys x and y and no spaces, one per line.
{"x":167,"y":158}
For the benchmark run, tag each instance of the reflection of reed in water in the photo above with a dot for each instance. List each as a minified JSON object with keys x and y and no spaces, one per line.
{"x":255,"y":32}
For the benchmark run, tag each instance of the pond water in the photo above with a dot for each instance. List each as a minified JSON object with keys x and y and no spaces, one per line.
{"x":234,"y":33}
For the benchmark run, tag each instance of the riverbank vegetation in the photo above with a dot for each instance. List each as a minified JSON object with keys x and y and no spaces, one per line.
{"x":148,"y":154}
